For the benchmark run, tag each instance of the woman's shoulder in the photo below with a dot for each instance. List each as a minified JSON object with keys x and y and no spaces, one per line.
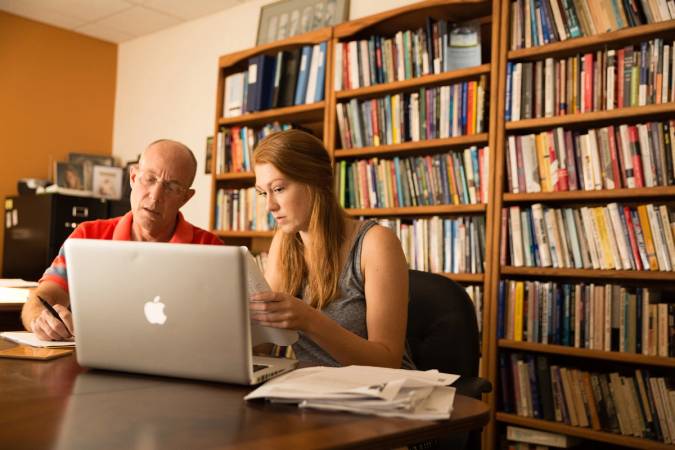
{"x":379,"y":240}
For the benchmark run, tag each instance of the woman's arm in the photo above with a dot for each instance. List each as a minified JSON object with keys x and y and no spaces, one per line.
{"x":386,"y":289}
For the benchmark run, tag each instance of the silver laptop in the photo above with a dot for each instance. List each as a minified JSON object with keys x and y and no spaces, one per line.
{"x":167,"y":309}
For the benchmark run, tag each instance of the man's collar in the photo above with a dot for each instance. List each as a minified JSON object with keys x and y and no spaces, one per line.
{"x":183,"y":233}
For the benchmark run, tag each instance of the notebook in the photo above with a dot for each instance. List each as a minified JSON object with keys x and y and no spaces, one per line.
{"x":166,"y":309}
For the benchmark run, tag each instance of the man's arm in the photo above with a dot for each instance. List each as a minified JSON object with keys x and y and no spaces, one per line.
{"x":37,"y":319}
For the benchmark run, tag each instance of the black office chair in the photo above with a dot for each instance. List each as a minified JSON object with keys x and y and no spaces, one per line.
{"x":443,"y":334}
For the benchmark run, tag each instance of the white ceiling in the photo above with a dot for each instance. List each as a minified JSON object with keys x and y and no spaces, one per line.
{"x":115,"y":20}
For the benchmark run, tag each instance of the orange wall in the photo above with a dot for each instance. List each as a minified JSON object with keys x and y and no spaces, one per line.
{"x":57,"y":93}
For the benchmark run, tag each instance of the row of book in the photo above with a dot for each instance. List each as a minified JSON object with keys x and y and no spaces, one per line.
{"x":538,"y":22}
{"x":439,"y":244}
{"x":439,"y":47}
{"x":624,"y":156}
{"x":596,"y":81}
{"x":633,"y":403}
{"x":235,"y":145}
{"x":240,"y":210}
{"x":452,"y":178}
{"x":614,"y":236}
{"x":528,"y":439}
{"x":430,"y":113}
{"x":291,"y":77}
{"x":605,"y":317}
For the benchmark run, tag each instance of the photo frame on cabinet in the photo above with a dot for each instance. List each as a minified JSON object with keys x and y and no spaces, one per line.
{"x":69,"y":175}
{"x":88,"y":161}
{"x":289,"y":18}
{"x":107,"y":182}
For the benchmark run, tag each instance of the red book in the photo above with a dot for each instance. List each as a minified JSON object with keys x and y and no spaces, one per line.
{"x":635,"y":152}
{"x":553,"y":162}
{"x":631,"y":237}
{"x":346,"y":83}
{"x":588,"y":82}
{"x":614,"y":156}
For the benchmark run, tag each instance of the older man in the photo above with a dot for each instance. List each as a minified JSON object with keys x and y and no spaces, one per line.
{"x":160,"y":186}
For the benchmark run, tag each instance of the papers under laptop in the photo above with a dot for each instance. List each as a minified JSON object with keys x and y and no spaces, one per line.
{"x":167,"y":309}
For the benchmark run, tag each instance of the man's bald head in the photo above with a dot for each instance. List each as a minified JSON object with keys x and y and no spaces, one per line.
{"x":176,"y":151}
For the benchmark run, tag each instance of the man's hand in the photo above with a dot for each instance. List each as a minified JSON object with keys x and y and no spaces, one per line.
{"x":49,"y":328}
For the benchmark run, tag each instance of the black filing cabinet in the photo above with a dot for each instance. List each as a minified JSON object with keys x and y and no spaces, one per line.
{"x":37,"y":225}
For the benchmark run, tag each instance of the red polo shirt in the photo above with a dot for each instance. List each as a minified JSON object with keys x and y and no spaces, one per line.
{"x":119,"y":229}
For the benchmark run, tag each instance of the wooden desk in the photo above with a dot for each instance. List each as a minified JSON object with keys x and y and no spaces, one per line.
{"x":59,"y":405}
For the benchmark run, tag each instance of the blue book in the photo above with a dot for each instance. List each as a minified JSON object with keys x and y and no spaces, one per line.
{"x":533,"y":28}
{"x":507,"y":108}
{"x":260,"y":82}
{"x":476,"y":172}
{"x":500,"y":310}
{"x":388,"y":122}
{"x":572,"y":20}
{"x":465,"y":105}
{"x":303,"y":75}
{"x":544,"y":25}
{"x":321,"y":73}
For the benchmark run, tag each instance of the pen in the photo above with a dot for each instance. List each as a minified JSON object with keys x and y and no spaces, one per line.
{"x":51,"y":310}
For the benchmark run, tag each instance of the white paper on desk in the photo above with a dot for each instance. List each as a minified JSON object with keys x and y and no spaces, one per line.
{"x":434,"y":403}
{"x":24,"y":337}
{"x":17,"y":283}
{"x":348,"y":383}
{"x":260,"y":334}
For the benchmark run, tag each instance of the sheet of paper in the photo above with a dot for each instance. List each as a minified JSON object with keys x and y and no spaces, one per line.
{"x":24,"y":337}
{"x":260,"y":334}
{"x":17,"y":283}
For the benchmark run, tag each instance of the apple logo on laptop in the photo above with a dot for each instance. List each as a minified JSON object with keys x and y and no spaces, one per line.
{"x":154,"y":311}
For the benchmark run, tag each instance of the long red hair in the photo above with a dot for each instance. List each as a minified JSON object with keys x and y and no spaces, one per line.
{"x":302,"y":158}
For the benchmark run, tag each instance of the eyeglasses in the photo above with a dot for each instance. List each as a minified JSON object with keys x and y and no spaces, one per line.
{"x":148,"y":180}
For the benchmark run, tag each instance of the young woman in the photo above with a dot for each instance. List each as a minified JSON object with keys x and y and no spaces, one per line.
{"x":342,"y":283}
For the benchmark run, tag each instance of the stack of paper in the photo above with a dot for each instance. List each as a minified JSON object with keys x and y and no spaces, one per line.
{"x":15,"y":290}
{"x":365,"y":390}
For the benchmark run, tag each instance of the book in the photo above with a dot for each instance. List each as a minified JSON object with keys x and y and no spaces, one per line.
{"x":539,"y":437}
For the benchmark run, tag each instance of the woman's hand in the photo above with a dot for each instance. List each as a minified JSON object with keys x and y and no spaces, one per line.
{"x":279,"y":310}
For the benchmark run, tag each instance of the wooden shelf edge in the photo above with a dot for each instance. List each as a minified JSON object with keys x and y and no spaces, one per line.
{"x":418,"y":210}
{"x":623,"y":357}
{"x":592,"y":41}
{"x":234,"y":176}
{"x":589,"y":273}
{"x":243,"y":234}
{"x":604,"y":194}
{"x":311,"y":37}
{"x":620,"y":114}
{"x":396,"y":86}
{"x":585,"y":433}
{"x":285,"y":112}
{"x":458,"y":141}
{"x":464,"y":277}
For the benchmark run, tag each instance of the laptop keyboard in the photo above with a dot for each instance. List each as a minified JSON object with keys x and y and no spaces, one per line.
{"x":257,"y":367}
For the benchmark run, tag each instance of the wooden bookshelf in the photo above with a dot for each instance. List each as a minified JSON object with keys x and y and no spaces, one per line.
{"x":585,"y":433}
{"x":622,"y":357}
{"x":414,"y":147}
{"x":623,"y":36}
{"x":502,"y":198}
{"x":660,"y":192}
{"x":591,"y":119}
{"x":589,"y":273}
{"x":419,"y":210}
{"x":406,"y":85}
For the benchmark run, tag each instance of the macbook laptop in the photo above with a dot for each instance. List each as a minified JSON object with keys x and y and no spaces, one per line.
{"x":167,"y":309}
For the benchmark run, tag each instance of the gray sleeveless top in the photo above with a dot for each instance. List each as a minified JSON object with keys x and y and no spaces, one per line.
{"x":349,"y":310}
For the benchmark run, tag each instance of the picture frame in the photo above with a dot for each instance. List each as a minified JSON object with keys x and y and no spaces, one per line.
{"x":69,"y":175}
{"x":107,"y":182}
{"x":287,"y":18}
{"x":88,"y":161}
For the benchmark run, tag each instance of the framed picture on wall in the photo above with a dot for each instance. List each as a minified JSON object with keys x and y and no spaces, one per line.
{"x":107,"y":182}
{"x":88,"y":161}
{"x":288,"y":18}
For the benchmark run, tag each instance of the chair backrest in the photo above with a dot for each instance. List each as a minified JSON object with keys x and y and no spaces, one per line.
{"x":442,"y":327}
